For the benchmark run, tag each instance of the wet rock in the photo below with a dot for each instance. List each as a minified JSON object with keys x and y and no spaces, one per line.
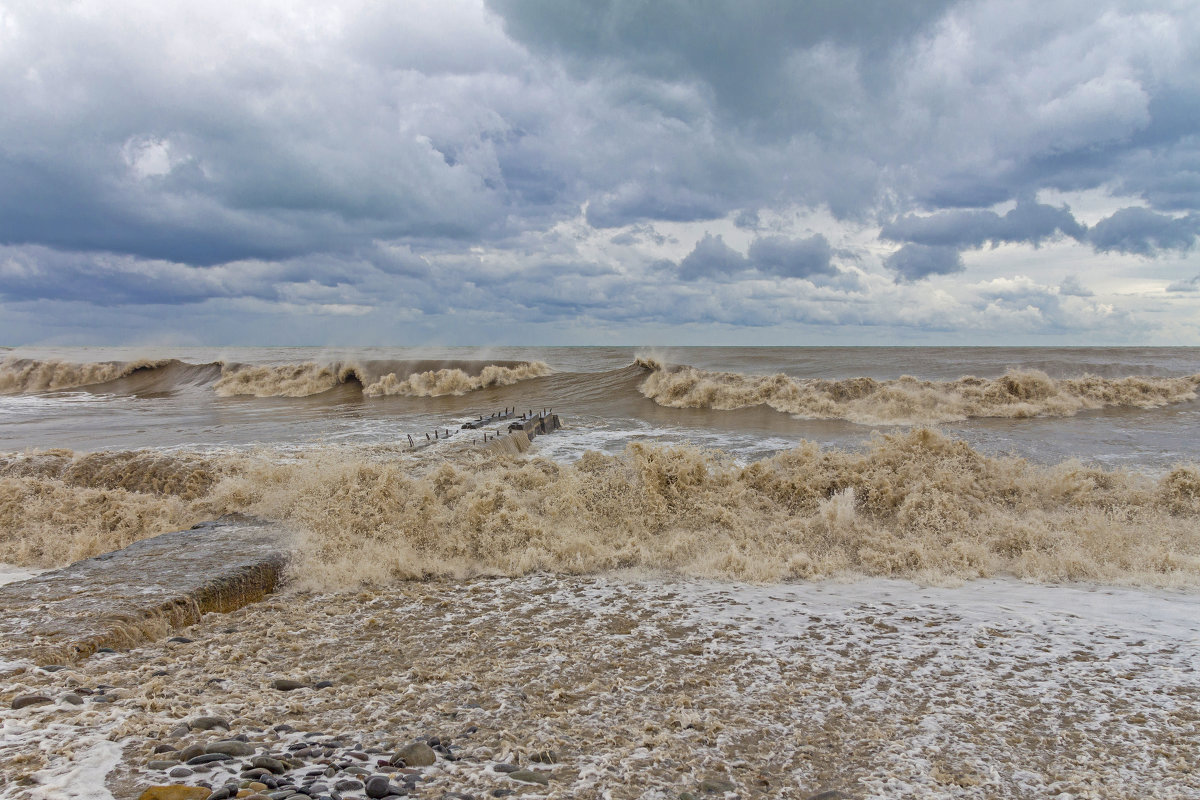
{"x":287,"y":684}
{"x":26,"y":700}
{"x":226,"y":792}
{"x":72,"y":698}
{"x":175,"y":793}
{"x":163,"y":747}
{"x":180,"y":640}
{"x":53,"y":668}
{"x":191,"y":751}
{"x":417,"y":754}
{"x":502,"y":767}
{"x":208,"y":723}
{"x":322,"y":684}
{"x":377,"y":786}
{"x":179,"y":772}
{"x":348,"y":785}
{"x":162,"y":764}
{"x":529,"y":776}
{"x":230,"y":747}
{"x":716,"y":786}
{"x":546,"y":757}
{"x":266,"y":762}
{"x":255,"y":772}
{"x":831,"y":794}
{"x":208,"y":758}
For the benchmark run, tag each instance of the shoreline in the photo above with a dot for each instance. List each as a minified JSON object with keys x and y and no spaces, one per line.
{"x":649,"y":687}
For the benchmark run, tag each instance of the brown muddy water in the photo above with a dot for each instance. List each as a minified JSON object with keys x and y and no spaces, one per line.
{"x":890,"y":572}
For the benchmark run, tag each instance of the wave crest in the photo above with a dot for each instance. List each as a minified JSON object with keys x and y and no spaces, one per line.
{"x":283,"y":380}
{"x":908,"y":400}
{"x":917,"y":505}
{"x":438,"y":383}
{"x":27,"y":375}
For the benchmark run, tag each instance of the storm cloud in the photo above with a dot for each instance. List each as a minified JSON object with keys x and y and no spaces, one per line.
{"x":426,"y":158}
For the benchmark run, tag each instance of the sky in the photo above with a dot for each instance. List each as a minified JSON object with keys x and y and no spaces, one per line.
{"x":742,"y":172}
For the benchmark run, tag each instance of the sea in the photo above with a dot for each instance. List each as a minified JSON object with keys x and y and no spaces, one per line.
{"x":931,"y":572}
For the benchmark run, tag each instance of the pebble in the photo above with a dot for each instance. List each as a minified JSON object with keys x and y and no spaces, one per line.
{"x":348,"y":785}
{"x":287,"y":684}
{"x":179,"y":772}
{"x":161,"y":764}
{"x":175,"y":793}
{"x":26,"y":700}
{"x":716,"y":785}
{"x":208,"y":723}
{"x":230,"y":747}
{"x":191,"y":751}
{"x":529,"y":776}
{"x":322,"y":684}
{"x":417,"y":754}
{"x":377,"y":786}
{"x":266,"y":762}
{"x":72,"y":698}
{"x":506,"y":767}
{"x":208,"y":758}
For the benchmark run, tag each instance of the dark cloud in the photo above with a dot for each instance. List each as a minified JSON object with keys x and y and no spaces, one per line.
{"x":792,"y":258}
{"x":1028,"y":222}
{"x":712,"y":258}
{"x":912,"y":262}
{"x":1140,"y":231}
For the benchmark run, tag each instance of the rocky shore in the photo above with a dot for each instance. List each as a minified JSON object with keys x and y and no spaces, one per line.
{"x":563,"y":687}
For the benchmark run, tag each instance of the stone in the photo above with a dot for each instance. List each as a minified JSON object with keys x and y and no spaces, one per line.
{"x":230,"y":747}
{"x":72,"y":698}
{"x":208,"y":758}
{"x":505,"y":767}
{"x":208,"y":723}
{"x":546,"y":757}
{"x":175,"y":793}
{"x":417,"y":754}
{"x":191,"y":751}
{"x":377,"y":786}
{"x":266,"y":762}
{"x":348,"y":785}
{"x":832,"y":794}
{"x":226,"y":792}
{"x":180,"y":640}
{"x":179,"y":772}
{"x":163,"y":747}
{"x":322,"y":684}
{"x":716,"y":786}
{"x":26,"y":700}
{"x":287,"y":684}
{"x":529,"y":776}
{"x":162,"y":764}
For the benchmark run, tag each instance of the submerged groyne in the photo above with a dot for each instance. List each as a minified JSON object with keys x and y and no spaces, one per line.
{"x":142,"y":591}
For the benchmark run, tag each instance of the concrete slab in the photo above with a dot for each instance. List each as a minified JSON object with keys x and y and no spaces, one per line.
{"x":142,"y":591}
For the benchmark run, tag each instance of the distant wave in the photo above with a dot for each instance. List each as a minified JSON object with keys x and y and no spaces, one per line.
{"x":374,"y":378}
{"x":916,"y":505}
{"x":25,"y":375}
{"x":454,"y":381}
{"x":907,"y":400}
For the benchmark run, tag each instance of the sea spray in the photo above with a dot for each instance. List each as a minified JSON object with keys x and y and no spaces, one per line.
{"x":916,"y":505}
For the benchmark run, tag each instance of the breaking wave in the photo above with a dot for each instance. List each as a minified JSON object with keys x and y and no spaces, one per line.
{"x":454,"y":381}
{"x":916,"y":504}
{"x":908,"y":400}
{"x":284,"y":380}
{"x":24,"y":375}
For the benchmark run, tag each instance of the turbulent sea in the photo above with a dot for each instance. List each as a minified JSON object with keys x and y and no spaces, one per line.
{"x":960,"y":513}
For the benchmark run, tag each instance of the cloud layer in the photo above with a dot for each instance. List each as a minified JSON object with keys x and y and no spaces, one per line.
{"x":767,"y":165}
